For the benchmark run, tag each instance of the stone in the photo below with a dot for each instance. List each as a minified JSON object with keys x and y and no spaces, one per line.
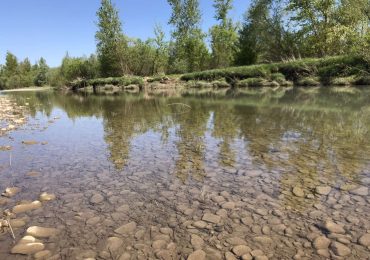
{"x":42,"y":231}
{"x":200,"y":224}
{"x":125,"y":256}
{"x":360,"y":191}
{"x":113,"y":244}
{"x":229,"y":256}
{"x":17,"y":223}
{"x":333,"y":227}
{"x":30,"y":142}
{"x":27,"y":248}
{"x":339,"y":249}
{"x":263,"y":240}
{"x":10,"y":192}
{"x":323,"y":190}
{"x":164,"y":255}
{"x":196,"y":241}
{"x":123,"y":208}
{"x":126,"y":229}
{"x":27,"y":207}
{"x":212,"y":218}
{"x":97,"y":199}
{"x":42,"y":254}
{"x":364,"y":240}
{"x":159,"y":244}
{"x":197,"y":255}
{"x":47,"y":197}
{"x":321,"y":242}
{"x":234,"y":241}
{"x":93,"y":221}
{"x":241,"y":250}
{"x":228,"y":205}
{"x":297,"y":191}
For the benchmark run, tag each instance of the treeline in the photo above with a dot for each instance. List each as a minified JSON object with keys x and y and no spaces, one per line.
{"x":271,"y":31}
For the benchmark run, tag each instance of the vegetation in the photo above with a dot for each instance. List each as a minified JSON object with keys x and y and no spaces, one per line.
{"x":285,"y":41}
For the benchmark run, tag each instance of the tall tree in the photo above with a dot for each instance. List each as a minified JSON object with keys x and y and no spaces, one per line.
{"x":160,"y":62}
{"x":223,"y":36}
{"x":111,"y":43}
{"x":11,"y":64}
{"x":189,"y":52}
{"x":41,"y":73}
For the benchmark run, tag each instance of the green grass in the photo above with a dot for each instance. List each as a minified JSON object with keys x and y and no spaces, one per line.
{"x":306,"y":72}
{"x":113,"y":81}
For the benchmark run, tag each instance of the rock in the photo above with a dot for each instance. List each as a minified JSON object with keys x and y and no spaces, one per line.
{"x":360,"y":191}
{"x":126,"y":229}
{"x":323,"y":190}
{"x":321,"y":242}
{"x":260,"y":257}
{"x":29,"y":142}
{"x":159,"y":244}
{"x":196,"y":241}
{"x":28,"y":239}
{"x":42,"y":254}
{"x":241,"y":250}
{"x":10,"y":192}
{"x":164,"y":255}
{"x":33,"y":174}
{"x":123,"y":208}
{"x":234,"y":241}
{"x":5,"y":148}
{"x":97,"y":199}
{"x":200,"y":224}
{"x":218,"y":199}
{"x":17,"y":223}
{"x":229,"y":256}
{"x":27,"y":248}
{"x":263,"y":240}
{"x":339,"y":249}
{"x":27,"y":207}
{"x":93,"y":221}
{"x":113,"y":244}
{"x":364,"y":240}
{"x":247,"y":257}
{"x":125,"y":256}
{"x":297,"y":191}
{"x":47,"y":197}
{"x":42,"y":231}
{"x":228,"y":205}
{"x":333,"y":227}
{"x":197,"y":255}
{"x":212,"y":218}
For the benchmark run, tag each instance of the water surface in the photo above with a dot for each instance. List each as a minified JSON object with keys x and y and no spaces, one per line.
{"x":165,"y":160}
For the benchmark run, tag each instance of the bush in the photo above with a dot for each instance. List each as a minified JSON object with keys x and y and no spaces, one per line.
{"x":309,"y":81}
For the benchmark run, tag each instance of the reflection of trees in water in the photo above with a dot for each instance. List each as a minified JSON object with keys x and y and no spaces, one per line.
{"x":191,"y":128}
{"x":309,"y":134}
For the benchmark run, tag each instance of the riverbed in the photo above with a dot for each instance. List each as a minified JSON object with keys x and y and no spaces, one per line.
{"x":190,"y":174}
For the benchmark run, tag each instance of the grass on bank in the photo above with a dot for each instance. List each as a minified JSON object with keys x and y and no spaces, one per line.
{"x":339,"y":70}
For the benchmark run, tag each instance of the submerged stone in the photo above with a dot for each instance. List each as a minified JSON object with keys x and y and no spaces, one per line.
{"x":212,"y":218}
{"x":42,"y":231}
{"x":297,"y":191}
{"x":364,"y":240}
{"x":27,"y":248}
{"x":126,"y":229}
{"x":360,"y":191}
{"x":27,"y":207}
{"x":10,"y":192}
{"x":197,"y":255}
{"x":47,"y":197}
{"x":323,"y":190}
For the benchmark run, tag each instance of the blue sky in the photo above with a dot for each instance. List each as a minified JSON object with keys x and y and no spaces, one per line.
{"x":50,"y":28}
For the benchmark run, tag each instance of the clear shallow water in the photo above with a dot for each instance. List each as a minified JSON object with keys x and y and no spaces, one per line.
{"x":165,"y":160}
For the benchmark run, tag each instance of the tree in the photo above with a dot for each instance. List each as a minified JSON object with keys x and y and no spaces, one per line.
{"x":160,"y":62}
{"x":41,"y":73}
{"x":188,"y":51}
{"x":223,"y":36}
{"x":111,"y":42}
{"x":11,"y":64}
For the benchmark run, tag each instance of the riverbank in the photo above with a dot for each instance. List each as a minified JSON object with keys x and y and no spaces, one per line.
{"x":26,"y":89}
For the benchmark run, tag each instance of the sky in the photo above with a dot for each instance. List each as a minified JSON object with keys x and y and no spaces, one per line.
{"x":50,"y":28}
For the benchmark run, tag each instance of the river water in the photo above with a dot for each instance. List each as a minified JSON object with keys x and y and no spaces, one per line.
{"x":249,"y":174}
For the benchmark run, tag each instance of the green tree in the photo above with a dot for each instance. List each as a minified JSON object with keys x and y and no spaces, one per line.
{"x":160,"y":62}
{"x":41,"y":73}
{"x":188,"y":51}
{"x":11,"y":64}
{"x":111,"y":42}
{"x":223,"y":36}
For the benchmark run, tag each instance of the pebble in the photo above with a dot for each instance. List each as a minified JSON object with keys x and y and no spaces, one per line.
{"x":197,"y":255}
{"x":113,"y":244}
{"x":27,"y":207}
{"x":97,"y":199}
{"x":10,"y":192}
{"x":241,"y":250}
{"x":42,"y":254}
{"x":360,"y":191}
{"x":126,"y":229}
{"x":297,"y":191}
{"x":27,"y":248}
{"x":228,"y":205}
{"x":323,"y":190}
{"x":196,"y":241}
{"x":47,"y":197}
{"x":364,"y":240}
{"x":212,"y":218}
{"x":234,"y":241}
{"x":333,"y":227}
{"x":339,"y":249}
{"x":321,"y":242}
{"x":42,"y":231}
